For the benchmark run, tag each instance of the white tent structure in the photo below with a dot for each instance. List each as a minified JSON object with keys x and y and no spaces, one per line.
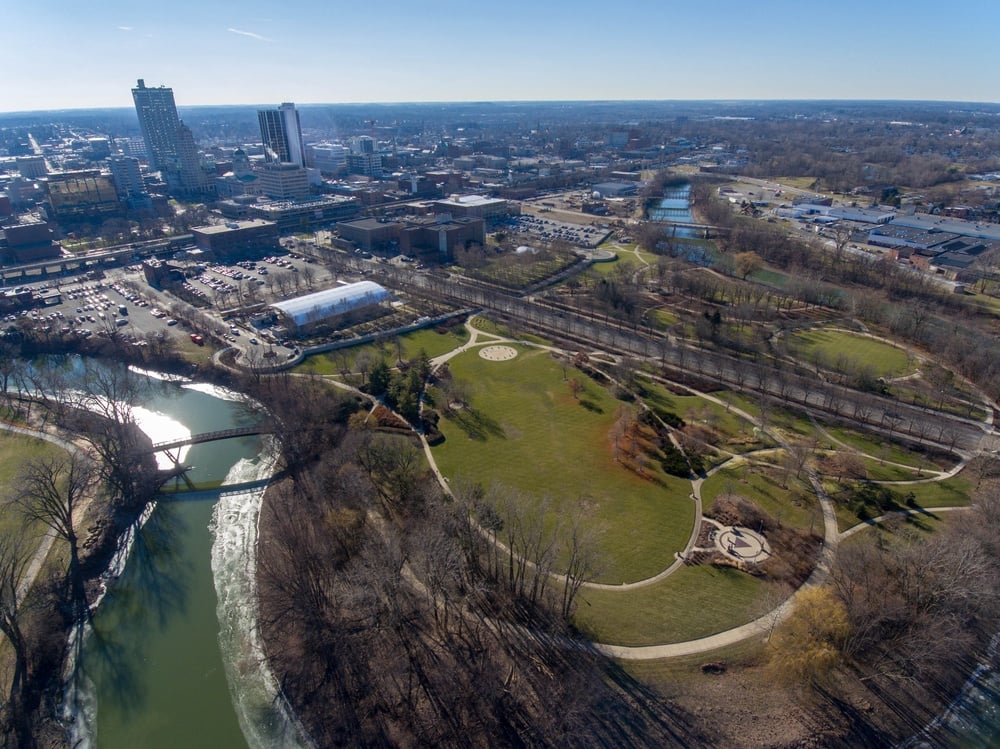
{"x":308,"y":310}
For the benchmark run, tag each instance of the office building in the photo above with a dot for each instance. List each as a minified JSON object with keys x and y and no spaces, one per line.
{"x":281,"y":134}
{"x":127,"y":176}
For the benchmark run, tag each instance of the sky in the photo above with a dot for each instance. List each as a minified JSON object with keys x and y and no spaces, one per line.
{"x":67,"y":54}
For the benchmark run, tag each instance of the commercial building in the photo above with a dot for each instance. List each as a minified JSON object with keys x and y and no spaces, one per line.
{"x":28,"y":242}
{"x":282,"y":181}
{"x":363,"y":158}
{"x":616,"y":189}
{"x":237,"y":238}
{"x":281,"y":134}
{"x":294,"y":215}
{"x":436,"y":237}
{"x":439,"y":236}
{"x":330,"y":306}
{"x":127,"y":176}
{"x":32,"y":167}
{"x":329,"y":158}
{"x":474,"y":206}
{"x":371,"y":234}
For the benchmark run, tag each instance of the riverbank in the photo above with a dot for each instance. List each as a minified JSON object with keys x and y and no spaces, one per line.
{"x":50,"y":620}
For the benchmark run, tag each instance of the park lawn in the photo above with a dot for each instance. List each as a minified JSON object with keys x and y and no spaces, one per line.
{"x":837,"y":346}
{"x":795,"y":505}
{"x":955,"y":402}
{"x":880,"y":471}
{"x":801,"y":183}
{"x":738,"y":433}
{"x":15,"y":450}
{"x":663,"y":318}
{"x":670,"y":674}
{"x":486,"y":325}
{"x":429,"y":340}
{"x":626,"y":260}
{"x":770,"y":277}
{"x":872,"y":445}
{"x":691,"y":603}
{"x":953,"y":492}
{"x":527,"y":432}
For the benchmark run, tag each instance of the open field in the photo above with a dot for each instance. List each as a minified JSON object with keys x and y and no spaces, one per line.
{"x":410,"y":344}
{"x":873,"y":445}
{"x":841,"y":349}
{"x":795,"y":504}
{"x":527,"y":432}
{"x":691,"y":603}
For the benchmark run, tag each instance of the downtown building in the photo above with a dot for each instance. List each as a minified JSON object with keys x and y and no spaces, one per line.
{"x":169,"y":143}
{"x":281,"y":134}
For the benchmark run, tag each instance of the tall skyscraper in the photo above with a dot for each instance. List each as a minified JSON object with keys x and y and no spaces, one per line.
{"x":281,"y":133}
{"x":169,"y":142}
{"x":159,"y":123}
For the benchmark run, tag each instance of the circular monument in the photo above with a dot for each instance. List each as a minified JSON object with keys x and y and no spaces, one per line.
{"x":498,"y":353}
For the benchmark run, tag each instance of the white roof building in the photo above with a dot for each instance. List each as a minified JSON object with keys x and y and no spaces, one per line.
{"x":311,"y":309}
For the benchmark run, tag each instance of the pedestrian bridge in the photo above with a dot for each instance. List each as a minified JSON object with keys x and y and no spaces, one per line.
{"x":222,"y":434}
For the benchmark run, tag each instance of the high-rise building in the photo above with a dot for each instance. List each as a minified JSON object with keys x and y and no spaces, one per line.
{"x":127,"y":176}
{"x":169,"y":142}
{"x":281,"y":133}
{"x":159,"y":123}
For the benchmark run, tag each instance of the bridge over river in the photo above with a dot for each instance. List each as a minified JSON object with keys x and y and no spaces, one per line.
{"x":222,"y":434}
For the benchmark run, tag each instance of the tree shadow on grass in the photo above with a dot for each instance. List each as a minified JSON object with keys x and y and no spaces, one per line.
{"x":591,"y":406}
{"x":477,"y":425}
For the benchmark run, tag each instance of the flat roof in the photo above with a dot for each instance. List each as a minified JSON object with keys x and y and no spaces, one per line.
{"x":953,"y":225}
{"x":470,"y":200}
{"x":249,"y":223}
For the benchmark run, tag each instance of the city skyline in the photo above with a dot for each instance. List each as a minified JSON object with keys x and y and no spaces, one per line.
{"x":456,"y":52}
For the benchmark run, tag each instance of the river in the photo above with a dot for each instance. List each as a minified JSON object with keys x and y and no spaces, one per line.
{"x":173,"y":657}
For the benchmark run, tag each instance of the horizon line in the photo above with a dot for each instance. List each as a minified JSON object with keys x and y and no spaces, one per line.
{"x":720,"y":101}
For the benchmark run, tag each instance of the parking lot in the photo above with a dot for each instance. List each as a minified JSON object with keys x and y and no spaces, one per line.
{"x":549,"y":230}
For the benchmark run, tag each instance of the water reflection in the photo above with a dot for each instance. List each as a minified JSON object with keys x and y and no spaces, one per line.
{"x":152,"y":593}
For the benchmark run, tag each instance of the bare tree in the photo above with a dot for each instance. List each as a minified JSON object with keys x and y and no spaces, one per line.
{"x":15,"y":557}
{"x":51,"y":490}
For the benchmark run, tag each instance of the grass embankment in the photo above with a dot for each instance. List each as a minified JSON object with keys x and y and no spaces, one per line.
{"x":693,"y":602}
{"x":428,"y":340}
{"x":793,"y":503}
{"x":525,"y":430}
{"x":844,"y":351}
{"x":15,"y":451}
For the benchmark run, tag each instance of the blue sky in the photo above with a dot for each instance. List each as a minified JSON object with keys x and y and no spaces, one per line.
{"x":68,"y":54}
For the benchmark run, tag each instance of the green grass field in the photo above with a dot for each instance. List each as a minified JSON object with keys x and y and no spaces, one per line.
{"x":410,"y":344}
{"x":691,"y":603}
{"x":872,"y":445}
{"x":526,"y":431}
{"x":839,"y":348}
{"x":15,"y":450}
{"x":793,"y":505}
